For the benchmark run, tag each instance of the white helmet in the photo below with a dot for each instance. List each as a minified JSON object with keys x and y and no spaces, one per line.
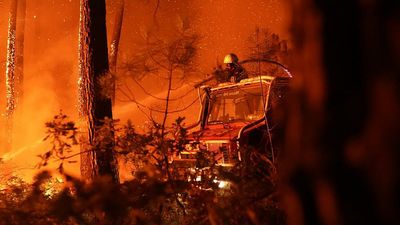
{"x":231,"y":58}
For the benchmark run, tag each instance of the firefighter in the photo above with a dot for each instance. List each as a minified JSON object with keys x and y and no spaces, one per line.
{"x":235,"y":72}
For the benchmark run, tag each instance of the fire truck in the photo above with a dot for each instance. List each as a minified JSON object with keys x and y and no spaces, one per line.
{"x":237,"y":116}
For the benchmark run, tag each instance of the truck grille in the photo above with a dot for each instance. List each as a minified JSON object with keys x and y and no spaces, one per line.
{"x":221,"y":149}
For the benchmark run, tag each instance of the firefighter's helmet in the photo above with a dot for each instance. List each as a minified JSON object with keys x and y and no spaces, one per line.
{"x":231,"y":58}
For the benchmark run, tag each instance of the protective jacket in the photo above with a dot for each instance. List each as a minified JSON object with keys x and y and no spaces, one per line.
{"x":236,"y":73}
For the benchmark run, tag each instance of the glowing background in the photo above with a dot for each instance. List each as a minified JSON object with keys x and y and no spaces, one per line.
{"x":51,"y":43}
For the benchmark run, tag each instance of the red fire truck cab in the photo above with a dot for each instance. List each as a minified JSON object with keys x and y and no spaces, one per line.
{"x":236,"y":116}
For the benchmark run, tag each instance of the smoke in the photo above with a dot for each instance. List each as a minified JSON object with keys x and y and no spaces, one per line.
{"x":184,"y":103}
{"x":51,"y":57}
{"x":50,"y":74}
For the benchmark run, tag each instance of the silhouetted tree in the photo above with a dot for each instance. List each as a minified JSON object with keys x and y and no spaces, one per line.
{"x":342,"y":160}
{"x":263,"y":44}
{"x":97,"y":157}
{"x":169,"y":59}
{"x":114,"y":44}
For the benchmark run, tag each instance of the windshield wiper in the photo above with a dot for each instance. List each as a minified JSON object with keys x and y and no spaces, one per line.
{"x":225,"y":121}
{"x":215,"y":122}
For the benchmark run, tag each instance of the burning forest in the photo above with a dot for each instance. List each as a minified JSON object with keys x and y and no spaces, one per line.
{"x":199,"y":112}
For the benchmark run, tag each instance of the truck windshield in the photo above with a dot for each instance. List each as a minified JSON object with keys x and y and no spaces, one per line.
{"x":237,"y":104}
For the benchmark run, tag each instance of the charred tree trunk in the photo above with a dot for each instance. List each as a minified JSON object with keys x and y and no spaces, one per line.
{"x":14,"y":69}
{"x":10,"y":73}
{"x":116,"y":36}
{"x":98,"y":159}
{"x":19,"y":53}
{"x":342,"y":158}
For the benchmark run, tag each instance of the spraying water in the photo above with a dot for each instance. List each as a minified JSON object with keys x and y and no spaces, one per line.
{"x":11,"y":155}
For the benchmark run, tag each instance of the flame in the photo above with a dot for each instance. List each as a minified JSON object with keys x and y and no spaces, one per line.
{"x":51,"y":65}
{"x":52,"y":187}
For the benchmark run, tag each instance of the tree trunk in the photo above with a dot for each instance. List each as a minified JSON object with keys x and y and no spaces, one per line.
{"x":95,"y":105}
{"x":10,"y":74}
{"x":342,"y":158}
{"x":163,"y":150}
{"x":116,"y":36}
{"x":19,"y":53}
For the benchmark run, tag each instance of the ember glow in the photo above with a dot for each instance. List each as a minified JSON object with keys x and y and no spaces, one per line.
{"x":10,"y":74}
{"x":51,"y":59}
{"x":124,"y":112}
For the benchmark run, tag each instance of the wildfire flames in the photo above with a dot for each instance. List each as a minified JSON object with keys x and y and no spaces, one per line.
{"x":51,"y":64}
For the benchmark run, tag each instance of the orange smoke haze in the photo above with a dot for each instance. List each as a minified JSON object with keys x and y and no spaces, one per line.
{"x":50,"y":73}
{"x":51,"y":57}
